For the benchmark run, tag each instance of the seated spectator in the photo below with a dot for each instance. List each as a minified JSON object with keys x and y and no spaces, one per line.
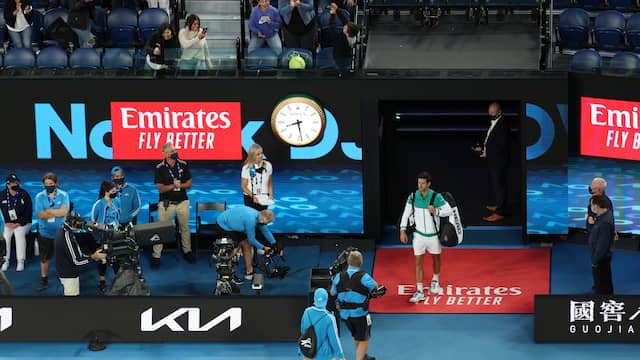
{"x":17,"y":16}
{"x":162,"y":48}
{"x":344,"y":40}
{"x":81,"y":13}
{"x":299,"y":26}
{"x":264,"y":25}
{"x":193,"y":41}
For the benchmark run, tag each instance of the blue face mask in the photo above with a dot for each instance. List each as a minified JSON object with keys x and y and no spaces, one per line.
{"x":174,"y":156}
{"x":50,"y":189}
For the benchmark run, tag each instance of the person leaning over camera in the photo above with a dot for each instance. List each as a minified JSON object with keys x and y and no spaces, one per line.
{"x":425,"y":237}
{"x":256,"y":178}
{"x":128,"y":196}
{"x":52,"y":205}
{"x":106,"y":210}
{"x":324,"y":323}
{"x":353,"y":288}
{"x":70,"y":256}
{"x":173,"y":179}
{"x":17,"y":211}
{"x":240,"y":224}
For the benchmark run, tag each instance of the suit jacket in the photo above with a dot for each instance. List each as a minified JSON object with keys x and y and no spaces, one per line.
{"x":497,"y":147}
{"x":80,"y":13}
{"x":10,"y":7}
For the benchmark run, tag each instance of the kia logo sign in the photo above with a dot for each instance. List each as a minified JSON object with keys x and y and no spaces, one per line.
{"x":198,"y":130}
{"x":6,"y":318}
{"x":234,"y":315}
{"x":609,"y":128}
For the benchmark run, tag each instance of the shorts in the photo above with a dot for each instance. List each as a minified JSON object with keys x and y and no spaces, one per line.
{"x":45,"y":246}
{"x":422,"y":244}
{"x":360,"y":327}
{"x":238,"y":236}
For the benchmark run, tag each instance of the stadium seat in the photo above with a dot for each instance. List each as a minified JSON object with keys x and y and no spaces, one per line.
{"x":288,"y":52}
{"x":150,"y":20}
{"x":625,"y":63}
{"x":573,"y":29}
{"x":85,"y":59}
{"x":52,"y":14}
{"x":20,"y":58}
{"x":52,"y":58}
{"x":324,"y":59}
{"x":623,"y":5}
{"x":609,"y":30}
{"x":122,"y":24}
{"x":633,"y":31}
{"x":587,"y":60}
{"x":117,"y":59}
{"x":261,"y":58}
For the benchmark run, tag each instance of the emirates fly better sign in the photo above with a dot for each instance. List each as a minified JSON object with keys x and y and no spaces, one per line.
{"x":198,"y":130}
{"x":609,"y":128}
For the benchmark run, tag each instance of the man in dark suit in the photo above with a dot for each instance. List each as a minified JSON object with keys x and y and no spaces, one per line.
{"x":496,"y":151}
{"x":601,"y":237}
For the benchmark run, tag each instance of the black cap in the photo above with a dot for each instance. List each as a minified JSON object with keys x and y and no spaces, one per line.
{"x":12,"y":178}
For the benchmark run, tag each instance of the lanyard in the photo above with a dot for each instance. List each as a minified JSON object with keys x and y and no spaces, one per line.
{"x":255,"y":181}
{"x":15,"y":200}
{"x":173,"y":177}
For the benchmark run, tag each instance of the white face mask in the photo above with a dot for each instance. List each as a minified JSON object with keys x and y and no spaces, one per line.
{"x":352,"y":41}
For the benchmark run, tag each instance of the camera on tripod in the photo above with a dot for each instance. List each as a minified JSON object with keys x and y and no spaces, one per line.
{"x":119,"y":244}
{"x":223,"y":253}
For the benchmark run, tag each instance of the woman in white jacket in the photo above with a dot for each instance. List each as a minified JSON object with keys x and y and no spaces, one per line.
{"x":193,"y":41}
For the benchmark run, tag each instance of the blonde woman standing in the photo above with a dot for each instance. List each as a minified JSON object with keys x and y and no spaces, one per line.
{"x":257,"y":179}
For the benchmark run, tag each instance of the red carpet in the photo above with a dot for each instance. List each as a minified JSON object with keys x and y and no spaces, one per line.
{"x":473,"y":281}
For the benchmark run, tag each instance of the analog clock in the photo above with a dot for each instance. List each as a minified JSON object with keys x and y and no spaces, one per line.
{"x":298,"y":120}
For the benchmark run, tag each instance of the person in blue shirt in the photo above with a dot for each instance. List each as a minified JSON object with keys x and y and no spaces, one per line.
{"x":353,"y":287}
{"x":324,"y":324}
{"x":264,"y":24}
{"x":106,"y":210}
{"x":52,"y":206}
{"x":128,"y":196}
{"x":240,"y":224}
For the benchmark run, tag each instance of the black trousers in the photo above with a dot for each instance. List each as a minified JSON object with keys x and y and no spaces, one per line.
{"x":301,"y":41}
{"x":602,"y":280}
{"x":248,"y":201}
{"x":498,"y":179}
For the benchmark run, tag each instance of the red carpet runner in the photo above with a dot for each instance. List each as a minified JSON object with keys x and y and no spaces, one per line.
{"x":473,"y":281}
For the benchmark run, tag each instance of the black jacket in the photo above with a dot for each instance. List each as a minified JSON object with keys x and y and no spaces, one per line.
{"x":23,"y":206}
{"x":80,"y":13}
{"x":10,"y":7}
{"x":601,"y":237}
{"x":497,"y":147}
{"x":68,"y":257}
{"x":166,"y":56}
{"x":342,"y":53}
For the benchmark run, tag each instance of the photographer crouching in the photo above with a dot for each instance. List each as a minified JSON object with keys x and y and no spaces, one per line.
{"x":70,"y":257}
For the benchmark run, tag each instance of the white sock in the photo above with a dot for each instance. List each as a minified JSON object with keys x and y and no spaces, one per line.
{"x":435,"y":277}
{"x":419,"y":286}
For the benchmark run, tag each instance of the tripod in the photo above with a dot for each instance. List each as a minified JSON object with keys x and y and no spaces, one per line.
{"x":129,"y":280}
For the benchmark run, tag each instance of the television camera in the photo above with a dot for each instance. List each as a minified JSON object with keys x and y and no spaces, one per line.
{"x":340,"y":264}
{"x":224,"y":257}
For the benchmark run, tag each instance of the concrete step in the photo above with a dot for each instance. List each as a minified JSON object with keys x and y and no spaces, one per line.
{"x":226,"y":42}
{"x":201,"y":7}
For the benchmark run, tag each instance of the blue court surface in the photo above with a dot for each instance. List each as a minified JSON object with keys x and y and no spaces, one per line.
{"x":546,"y":200}
{"x":408,"y":336}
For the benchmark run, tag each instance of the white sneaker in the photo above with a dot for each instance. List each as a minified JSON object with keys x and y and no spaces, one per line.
{"x":435,"y":288}
{"x":417,"y":297}
{"x":5,"y":266}
{"x":20,"y":266}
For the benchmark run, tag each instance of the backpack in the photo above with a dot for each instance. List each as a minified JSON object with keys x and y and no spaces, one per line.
{"x":411,"y":222}
{"x":451,"y":229}
{"x":296,"y":61}
{"x":308,"y":341}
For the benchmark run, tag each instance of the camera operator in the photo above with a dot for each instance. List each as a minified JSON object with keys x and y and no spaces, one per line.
{"x":240,"y":224}
{"x":70,"y":257}
{"x":353,"y":288}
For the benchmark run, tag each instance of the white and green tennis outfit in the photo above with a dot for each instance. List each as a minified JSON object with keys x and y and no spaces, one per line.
{"x":425,"y":237}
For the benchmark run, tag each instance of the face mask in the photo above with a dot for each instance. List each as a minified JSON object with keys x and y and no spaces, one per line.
{"x":118,"y":181}
{"x":50,"y":189}
{"x":590,"y":190}
{"x":113,"y":195}
{"x":14,"y":187}
{"x":174,"y":156}
{"x":493,"y":117}
{"x":351,"y":41}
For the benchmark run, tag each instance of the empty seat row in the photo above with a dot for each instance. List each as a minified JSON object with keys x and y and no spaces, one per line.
{"x":58,"y":59}
{"x":590,"y":60}
{"x":595,"y":5}
{"x":611,"y":30}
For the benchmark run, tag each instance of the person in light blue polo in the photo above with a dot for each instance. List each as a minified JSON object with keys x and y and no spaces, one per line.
{"x":324,"y":324}
{"x":240,"y":224}
{"x":128,"y":196}
{"x":52,"y":206}
{"x":106,"y":210}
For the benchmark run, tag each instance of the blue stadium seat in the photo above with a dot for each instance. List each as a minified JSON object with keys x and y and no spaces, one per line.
{"x":122,"y":24}
{"x":117,"y":59}
{"x":150,"y":20}
{"x":586,"y":60}
{"x":99,"y":26}
{"x":324,"y":59}
{"x":609,"y":30}
{"x":623,"y":5}
{"x":85,"y":59}
{"x":623,"y":62}
{"x":52,"y":14}
{"x":633,"y":31}
{"x":261,"y":58}
{"x":20,"y":58}
{"x":573,"y":28}
{"x":307,"y":55}
{"x":52,"y":58}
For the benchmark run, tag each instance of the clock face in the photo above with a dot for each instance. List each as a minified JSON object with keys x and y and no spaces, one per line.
{"x":298,"y":121}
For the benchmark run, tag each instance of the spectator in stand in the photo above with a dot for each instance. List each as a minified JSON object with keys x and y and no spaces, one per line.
{"x":162,"y":48}
{"x":193,"y":41}
{"x":81,"y":13}
{"x":344,"y":40}
{"x":264,"y":25}
{"x":17,"y":16}
{"x":299,"y":26}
